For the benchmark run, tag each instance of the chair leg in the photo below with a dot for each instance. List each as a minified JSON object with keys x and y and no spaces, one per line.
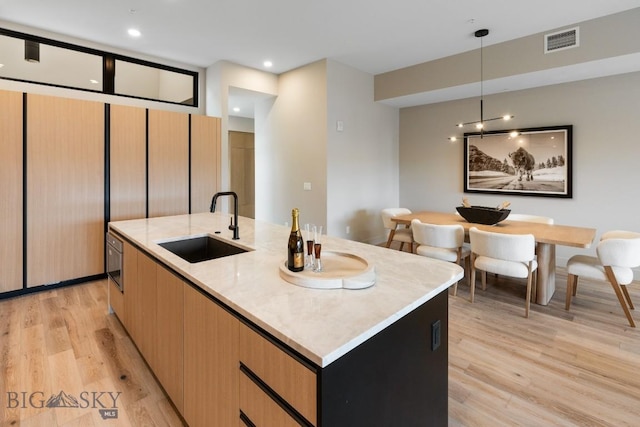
{"x":484,"y":280}
{"x":390,"y":239}
{"x":527,"y":301}
{"x":627,"y":296}
{"x":616,"y":288}
{"x":572,"y":282}
{"x":472,"y":279}
{"x":401,"y":246}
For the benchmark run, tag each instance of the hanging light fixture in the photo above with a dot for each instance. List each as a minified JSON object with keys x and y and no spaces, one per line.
{"x":480,"y":124}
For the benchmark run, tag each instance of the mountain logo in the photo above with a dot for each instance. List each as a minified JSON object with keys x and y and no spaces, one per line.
{"x":62,"y":400}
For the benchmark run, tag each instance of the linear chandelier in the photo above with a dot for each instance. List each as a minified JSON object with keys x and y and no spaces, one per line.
{"x":480,"y":124}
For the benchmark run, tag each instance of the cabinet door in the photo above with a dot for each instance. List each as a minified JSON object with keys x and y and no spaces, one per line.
{"x":205,"y":161}
{"x":169,"y":334}
{"x":65,"y":189}
{"x":130,"y":288}
{"x":128,"y":157}
{"x":210,"y":362}
{"x":11,"y":191}
{"x":168,"y":163}
{"x":146,"y":310}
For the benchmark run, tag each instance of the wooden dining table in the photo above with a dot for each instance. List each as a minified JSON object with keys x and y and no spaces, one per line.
{"x":547,"y":236}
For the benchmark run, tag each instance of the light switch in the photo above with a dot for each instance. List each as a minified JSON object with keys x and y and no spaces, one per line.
{"x":307,"y":186}
{"x":339,"y":125}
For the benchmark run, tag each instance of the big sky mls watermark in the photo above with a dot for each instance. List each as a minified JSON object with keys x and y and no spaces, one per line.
{"x":106,"y":402}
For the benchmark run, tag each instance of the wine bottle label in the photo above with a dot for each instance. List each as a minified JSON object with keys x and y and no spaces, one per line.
{"x":298,"y":260}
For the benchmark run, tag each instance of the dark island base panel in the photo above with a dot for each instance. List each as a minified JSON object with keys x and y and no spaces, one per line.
{"x":394,"y":378}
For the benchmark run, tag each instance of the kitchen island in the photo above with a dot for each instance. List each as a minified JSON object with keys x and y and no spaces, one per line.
{"x":233,"y":343}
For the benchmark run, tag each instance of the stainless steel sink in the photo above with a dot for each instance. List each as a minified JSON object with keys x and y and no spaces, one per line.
{"x":201,"y":248}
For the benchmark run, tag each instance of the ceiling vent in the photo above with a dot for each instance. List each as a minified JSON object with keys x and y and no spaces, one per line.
{"x":561,"y":40}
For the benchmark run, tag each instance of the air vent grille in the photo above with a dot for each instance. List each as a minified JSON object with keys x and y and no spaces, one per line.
{"x":565,"y":39}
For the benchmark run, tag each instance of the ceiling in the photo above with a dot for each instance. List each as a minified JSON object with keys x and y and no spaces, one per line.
{"x":373,"y":36}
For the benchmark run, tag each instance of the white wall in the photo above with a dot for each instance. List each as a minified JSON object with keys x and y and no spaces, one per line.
{"x":220,"y":77}
{"x":606,"y":148}
{"x":362,"y":159}
{"x":291,"y":148}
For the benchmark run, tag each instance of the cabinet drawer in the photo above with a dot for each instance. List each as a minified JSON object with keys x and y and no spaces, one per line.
{"x":290,"y":379}
{"x":260,"y":408}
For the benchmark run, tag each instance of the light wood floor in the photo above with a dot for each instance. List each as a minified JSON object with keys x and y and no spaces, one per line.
{"x":577,"y":368}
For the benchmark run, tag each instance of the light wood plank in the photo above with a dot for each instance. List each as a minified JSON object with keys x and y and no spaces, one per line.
{"x":65,"y":189}
{"x":205,"y":161}
{"x":128,"y":191}
{"x":168,"y":163}
{"x":242,"y":170}
{"x":169,"y":334}
{"x":11,"y":191}
{"x":210,"y":363}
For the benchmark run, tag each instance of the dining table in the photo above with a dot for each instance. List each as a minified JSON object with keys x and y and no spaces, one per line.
{"x":547,"y":236}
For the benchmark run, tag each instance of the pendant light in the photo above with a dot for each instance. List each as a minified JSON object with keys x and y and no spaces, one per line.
{"x":480,"y":124}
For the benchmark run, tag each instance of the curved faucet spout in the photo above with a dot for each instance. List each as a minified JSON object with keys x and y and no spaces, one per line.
{"x":234,"y":224}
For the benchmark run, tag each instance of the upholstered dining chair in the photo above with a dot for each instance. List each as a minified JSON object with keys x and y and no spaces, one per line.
{"x":397,"y":233}
{"x":443,"y":242}
{"x":530,"y":218}
{"x":617,"y":253}
{"x":510,"y":255}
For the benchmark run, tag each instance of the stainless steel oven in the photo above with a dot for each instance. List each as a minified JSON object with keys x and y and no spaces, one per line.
{"x":114,"y":260}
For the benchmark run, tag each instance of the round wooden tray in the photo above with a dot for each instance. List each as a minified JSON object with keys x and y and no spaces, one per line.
{"x":340,"y":270}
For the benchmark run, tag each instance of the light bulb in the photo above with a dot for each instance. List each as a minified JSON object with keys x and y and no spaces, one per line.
{"x":507,"y":117}
{"x":479,"y":125}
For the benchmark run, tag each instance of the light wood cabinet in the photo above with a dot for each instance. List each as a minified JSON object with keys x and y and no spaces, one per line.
{"x":130,"y":277}
{"x":11,"y":191}
{"x":291,"y":380}
{"x":65,"y":189}
{"x":128,"y":157}
{"x":210,"y":362}
{"x":169,"y":334}
{"x":146,"y":309}
{"x":168,"y":176}
{"x":205,"y":161}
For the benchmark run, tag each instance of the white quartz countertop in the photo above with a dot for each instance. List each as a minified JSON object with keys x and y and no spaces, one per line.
{"x":320,"y":324}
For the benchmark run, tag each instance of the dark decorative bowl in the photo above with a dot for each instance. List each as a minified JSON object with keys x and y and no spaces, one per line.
{"x":483,"y":214}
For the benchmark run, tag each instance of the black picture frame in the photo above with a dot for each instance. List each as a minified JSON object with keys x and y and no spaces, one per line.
{"x":500,"y":162}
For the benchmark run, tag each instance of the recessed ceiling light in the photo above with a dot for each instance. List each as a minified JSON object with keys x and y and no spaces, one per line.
{"x":1,"y":65}
{"x":268,"y":64}
{"x":236,"y":109}
{"x":95,"y":82}
{"x":133,"y":32}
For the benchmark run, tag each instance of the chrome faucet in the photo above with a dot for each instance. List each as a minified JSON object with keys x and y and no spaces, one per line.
{"x":234,"y":222}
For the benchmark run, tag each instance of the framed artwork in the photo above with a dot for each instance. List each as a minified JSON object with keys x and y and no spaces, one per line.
{"x":529,"y":162}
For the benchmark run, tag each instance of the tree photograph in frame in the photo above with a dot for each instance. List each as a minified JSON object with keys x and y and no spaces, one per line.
{"x":530,"y":162}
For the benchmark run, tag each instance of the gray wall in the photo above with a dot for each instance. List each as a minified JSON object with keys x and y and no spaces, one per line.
{"x":606,"y":147}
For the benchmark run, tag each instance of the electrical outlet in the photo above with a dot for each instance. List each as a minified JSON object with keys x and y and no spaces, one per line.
{"x":306,"y":186}
{"x":348,"y":230}
{"x":435,"y":335}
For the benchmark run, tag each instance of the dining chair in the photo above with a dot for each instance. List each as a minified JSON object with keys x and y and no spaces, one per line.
{"x":510,"y":255}
{"x":397,"y":233}
{"x":443,"y":242}
{"x":530,"y":218}
{"x":618,"y":252}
